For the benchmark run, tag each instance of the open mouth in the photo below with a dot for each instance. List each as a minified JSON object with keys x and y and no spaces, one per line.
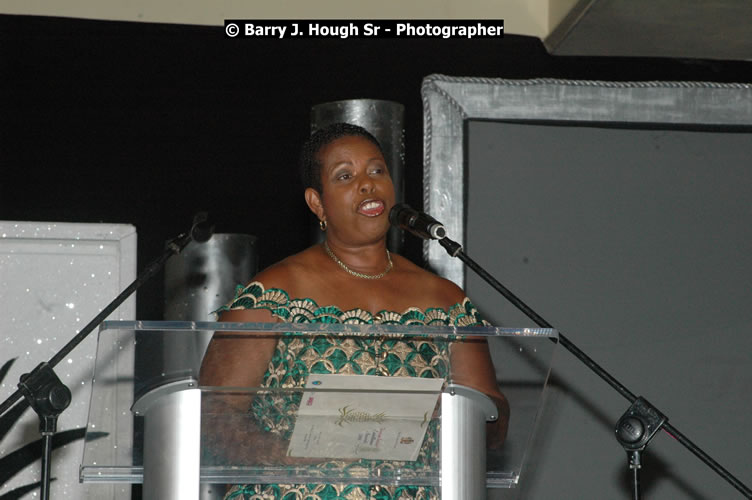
{"x":371,"y":208}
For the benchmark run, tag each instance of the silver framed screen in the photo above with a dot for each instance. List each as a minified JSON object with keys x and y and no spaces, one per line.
{"x":449,"y":102}
{"x":620,"y":212}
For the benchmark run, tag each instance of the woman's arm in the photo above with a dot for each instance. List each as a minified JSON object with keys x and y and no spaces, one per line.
{"x":471,"y":363}
{"x":230,"y":435}
{"x":238,"y":359}
{"x":472,"y":367}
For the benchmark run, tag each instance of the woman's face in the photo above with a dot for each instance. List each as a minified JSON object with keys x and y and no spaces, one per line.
{"x":357,"y":191}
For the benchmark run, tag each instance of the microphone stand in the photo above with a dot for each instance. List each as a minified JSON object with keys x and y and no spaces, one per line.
{"x":42,"y":388}
{"x":641,"y":421}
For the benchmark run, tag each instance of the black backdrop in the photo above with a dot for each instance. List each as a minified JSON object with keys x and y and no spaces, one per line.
{"x":148,"y":123}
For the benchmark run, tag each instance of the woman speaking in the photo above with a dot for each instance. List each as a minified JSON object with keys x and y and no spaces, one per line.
{"x":350,"y":278}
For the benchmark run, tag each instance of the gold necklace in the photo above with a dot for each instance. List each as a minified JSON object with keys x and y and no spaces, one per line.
{"x":356,"y":273}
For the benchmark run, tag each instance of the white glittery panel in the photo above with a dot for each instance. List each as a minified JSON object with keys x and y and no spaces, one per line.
{"x":54,"y":278}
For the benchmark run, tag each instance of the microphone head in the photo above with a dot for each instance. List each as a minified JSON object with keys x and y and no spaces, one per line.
{"x":438,"y":232}
{"x":398,"y":212}
{"x":420,"y":224}
{"x":202,"y":229}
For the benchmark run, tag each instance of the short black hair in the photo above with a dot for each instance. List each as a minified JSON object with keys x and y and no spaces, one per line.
{"x":310,"y":166}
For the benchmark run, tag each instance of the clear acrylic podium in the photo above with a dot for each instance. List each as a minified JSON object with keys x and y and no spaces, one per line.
{"x":161,"y":428}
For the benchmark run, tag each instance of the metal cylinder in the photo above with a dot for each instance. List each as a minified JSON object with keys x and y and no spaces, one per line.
{"x":198,"y":281}
{"x":385,"y":120}
{"x":464,"y":412}
{"x":172,"y":438}
{"x":203,"y":277}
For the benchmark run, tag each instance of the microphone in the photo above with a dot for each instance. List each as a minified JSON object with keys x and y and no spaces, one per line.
{"x":420,"y":224}
{"x":202,"y":229}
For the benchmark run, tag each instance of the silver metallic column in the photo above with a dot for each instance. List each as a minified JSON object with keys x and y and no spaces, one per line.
{"x":385,"y":120}
{"x":464,"y":413}
{"x":203,"y":277}
{"x":172,"y":441}
{"x":197,"y":281}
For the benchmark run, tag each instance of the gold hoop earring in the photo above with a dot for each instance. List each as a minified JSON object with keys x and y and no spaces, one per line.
{"x":322,"y":225}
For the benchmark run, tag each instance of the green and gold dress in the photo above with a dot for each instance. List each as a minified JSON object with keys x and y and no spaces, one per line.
{"x":296,"y":356}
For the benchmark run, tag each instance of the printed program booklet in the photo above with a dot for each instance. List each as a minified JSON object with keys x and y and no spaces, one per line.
{"x":346,"y":416}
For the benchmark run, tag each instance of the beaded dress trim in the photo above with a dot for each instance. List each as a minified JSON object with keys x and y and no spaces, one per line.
{"x":278,"y":302}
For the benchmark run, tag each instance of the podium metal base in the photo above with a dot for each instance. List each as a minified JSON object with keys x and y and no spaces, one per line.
{"x":172,"y":440}
{"x":464,"y":413}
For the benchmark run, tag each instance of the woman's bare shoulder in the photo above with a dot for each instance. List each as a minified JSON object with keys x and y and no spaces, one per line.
{"x":285,"y":275}
{"x":288,"y":273}
{"x":438,"y":291}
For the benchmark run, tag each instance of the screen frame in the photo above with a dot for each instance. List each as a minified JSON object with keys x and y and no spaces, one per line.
{"x":449,"y":103}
